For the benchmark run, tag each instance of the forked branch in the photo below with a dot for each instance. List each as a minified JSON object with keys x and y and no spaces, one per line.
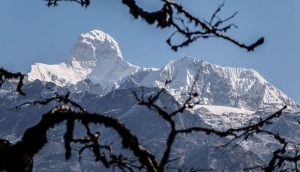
{"x":173,"y":15}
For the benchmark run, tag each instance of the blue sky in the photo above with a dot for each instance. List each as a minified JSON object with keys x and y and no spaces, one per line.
{"x":31,"y":32}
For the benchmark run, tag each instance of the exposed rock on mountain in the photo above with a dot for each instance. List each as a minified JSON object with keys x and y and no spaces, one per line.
{"x":102,"y":81}
{"x":95,"y":56}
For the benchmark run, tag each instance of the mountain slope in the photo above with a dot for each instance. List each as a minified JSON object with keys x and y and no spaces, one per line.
{"x":216,"y":85}
{"x":194,"y":150}
{"x":102,"y":81}
{"x":97,"y":57}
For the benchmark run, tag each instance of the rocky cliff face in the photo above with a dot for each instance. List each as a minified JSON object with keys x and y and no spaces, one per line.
{"x":102,"y":81}
{"x":216,"y":85}
{"x":194,"y":150}
{"x":95,"y":56}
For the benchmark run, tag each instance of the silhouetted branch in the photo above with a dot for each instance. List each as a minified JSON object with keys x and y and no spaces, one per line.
{"x":36,"y":136}
{"x":57,"y":98}
{"x":5,"y":75}
{"x":54,"y":3}
{"x":68,"y":138}
{"x":173,"y":15}
{"x":238,"y":133}
{"x":187,"y":169}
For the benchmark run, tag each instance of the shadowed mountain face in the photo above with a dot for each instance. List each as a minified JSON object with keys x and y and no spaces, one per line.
{"x":195,"y":150}
{"x":102,"y":81}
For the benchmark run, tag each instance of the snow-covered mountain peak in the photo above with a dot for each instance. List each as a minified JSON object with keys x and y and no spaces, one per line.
{"x":95,"y":56}
{"x":216,"y":85}
{"x":94,"y":46}
{"x":187,"y":60}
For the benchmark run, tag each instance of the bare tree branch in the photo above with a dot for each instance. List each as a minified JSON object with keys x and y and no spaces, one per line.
{"x":173,"y":15}
{"x":6,"y":75}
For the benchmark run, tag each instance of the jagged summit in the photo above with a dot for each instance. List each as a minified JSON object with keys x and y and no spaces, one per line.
{"x":94,"y":46}
{"x":95,"y":56}
{"x":216,"y":85}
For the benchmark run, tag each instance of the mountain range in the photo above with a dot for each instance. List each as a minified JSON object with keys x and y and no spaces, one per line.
{"x":102,"y":81}
{"x":97,"y":57}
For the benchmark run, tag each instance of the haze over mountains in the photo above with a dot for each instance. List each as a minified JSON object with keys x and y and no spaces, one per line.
{"x":102,"y":81}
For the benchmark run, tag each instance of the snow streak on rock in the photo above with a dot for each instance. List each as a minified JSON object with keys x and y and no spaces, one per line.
{"x":102,"y":81}
{"x":216,"y":85}
{"x":97,"y":57}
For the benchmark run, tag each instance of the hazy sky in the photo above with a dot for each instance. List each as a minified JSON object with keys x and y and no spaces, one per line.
{"x":31,"y":32}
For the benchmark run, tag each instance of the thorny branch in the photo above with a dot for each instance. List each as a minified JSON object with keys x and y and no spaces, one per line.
{"x":173,"y":15}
